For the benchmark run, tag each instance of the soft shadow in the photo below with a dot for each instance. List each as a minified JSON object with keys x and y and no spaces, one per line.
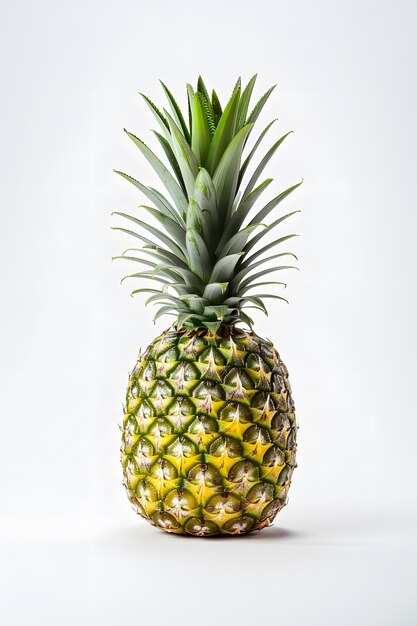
{"x":271,"y":533}
{"x":144,"y":537}
{"x":275,"y":532}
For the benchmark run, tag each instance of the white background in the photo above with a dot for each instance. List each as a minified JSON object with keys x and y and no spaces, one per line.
{"x":344,"y":550}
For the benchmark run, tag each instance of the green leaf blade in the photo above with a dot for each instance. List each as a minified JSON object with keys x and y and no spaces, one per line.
{"x":176,"y":112}
{"x":224,"y":269}
{"x":227,"y":172}
{"x":201,"y":135}
{"x":244,"y":103}
{"x":224,"y":134}
{"x":165,"y":176}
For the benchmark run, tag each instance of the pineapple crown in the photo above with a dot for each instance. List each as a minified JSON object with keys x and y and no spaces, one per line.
{"x":207,"y":254}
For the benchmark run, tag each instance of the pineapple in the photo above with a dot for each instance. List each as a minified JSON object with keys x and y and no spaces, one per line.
{"x":209,"y":429}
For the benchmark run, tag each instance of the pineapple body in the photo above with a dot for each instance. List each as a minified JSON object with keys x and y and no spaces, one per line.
{"x":209,"y":432}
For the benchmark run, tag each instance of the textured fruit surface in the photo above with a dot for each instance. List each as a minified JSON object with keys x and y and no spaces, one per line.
{"x":209,"y":432}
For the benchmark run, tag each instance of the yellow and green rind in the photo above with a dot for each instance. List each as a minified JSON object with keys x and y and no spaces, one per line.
{"x":209,"y":432}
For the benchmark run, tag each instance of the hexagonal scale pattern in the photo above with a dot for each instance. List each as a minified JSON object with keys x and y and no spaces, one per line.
{"x":209,"y":432}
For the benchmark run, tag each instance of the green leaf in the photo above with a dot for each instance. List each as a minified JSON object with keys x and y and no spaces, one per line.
{"x":214,"y":292}
{"x":239,"y":216}
{"x":186,"y":158}
{"x":169,"y":210}
{"x":157,"y":233}
{"x":205,"y":197}
{"x":201,"y":222}
{"x":190,"y":319}
{"x":249,"y":260}
{"x":166,"y":146}
{"x":238,"y":85}
{"x":198,"y":255}
{"x":259,"y":106}
{"x":227,"y":172}
{"x":209,"y":113}
{"x":224,"y":268}
{"x":244,"y":103}
{"x":201,"y":133}
{"x":190,"y":282}
{"x":164,"y":255}
{"x":273,"y":203}
{"x":165,"y":310}
{"x":137,"y":235}
{"x":207,"y":105}
{"x":218,"y":311}
{"x":268,"y":270}
{"x":246,"y":319}
{"x":176,"y":112}
{"x":252,"y":152}
{"x":157,"y":113}
{"x":170,"y":270}
{"x":202,"y":88}
{"x":252,"y":286}
{"x":224,"y":134}
{"x":195,"y":303}
{"x":166,"y":177}
{"x":176,"y":231}
{"x":146,"y":290}
{"x":217,"y":107}
{"x":213,"y":327}
{"x":252,"y":306}
{"x":259,"y":236}
{"x":148,"y":276}
{"x":154,"y":196}
{"x":194,"y":282}
{"x":263,"y":164}
{"x":166,"y":296}
{"x":238,"y":241}
{"x":164,"y":270}
{"x":135,"y":258}
{"x":190,"y":98}
{"x":267,"y":295}
{"x":257,"y":302}
{"x":233,"y":301}
{"x":161,"y":269}
{"x":247,"y":267}
{"x":249,"y":200}
{"x":195,"y":218}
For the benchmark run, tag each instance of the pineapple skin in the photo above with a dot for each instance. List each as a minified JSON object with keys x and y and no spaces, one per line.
{"x":209,"y":432}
